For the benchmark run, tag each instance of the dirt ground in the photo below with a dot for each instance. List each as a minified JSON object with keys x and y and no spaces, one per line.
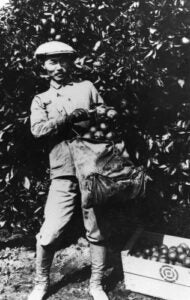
{"x":70,"y":270}
{"x":71,"y":266}
{"x":69,"y":274}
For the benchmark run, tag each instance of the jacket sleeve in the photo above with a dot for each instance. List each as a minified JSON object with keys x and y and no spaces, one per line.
{"x":41,"y":124}
{"x":95,"y":96}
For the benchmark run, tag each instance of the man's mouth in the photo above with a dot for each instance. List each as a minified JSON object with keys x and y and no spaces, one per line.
{"x":60,"y":74}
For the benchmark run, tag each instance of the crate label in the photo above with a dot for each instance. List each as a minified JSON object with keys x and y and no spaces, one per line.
{"x":169,"y":273}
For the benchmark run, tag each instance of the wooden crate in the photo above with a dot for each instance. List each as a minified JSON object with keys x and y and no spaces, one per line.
{"x":162,"y":280}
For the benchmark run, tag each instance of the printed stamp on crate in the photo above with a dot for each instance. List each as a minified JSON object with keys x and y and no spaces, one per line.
{"x":169,"y":273}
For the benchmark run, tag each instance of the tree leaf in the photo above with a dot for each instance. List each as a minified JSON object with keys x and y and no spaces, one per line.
{"x":26,"y":183}
{"x":181,"y":82}
{"x":149,"y":54}
{"x":97,"y":46}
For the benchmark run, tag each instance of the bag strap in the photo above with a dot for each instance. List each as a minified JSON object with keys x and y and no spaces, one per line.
{"x":76,"y":132}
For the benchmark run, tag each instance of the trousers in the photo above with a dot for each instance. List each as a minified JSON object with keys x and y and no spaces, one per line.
{"x":59,"y":209}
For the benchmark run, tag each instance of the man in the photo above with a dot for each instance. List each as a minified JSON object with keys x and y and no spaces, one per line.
{"x":54,"y":115}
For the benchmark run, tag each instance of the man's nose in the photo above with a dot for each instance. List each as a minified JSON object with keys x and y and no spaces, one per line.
{"x":59,"y":66}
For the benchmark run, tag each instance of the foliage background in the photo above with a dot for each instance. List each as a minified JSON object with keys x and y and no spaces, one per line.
{"x":132,"y":50}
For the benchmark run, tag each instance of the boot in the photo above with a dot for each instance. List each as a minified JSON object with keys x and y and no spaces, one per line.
{"x":98,"y":257}
{"x":44,"y":258}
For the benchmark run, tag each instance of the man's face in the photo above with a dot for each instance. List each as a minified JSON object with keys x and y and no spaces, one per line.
{"x":58,"y":67}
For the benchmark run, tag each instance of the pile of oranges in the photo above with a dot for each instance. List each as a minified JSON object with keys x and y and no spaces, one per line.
{"x":105,"y":125}
{"x":175,"y":255}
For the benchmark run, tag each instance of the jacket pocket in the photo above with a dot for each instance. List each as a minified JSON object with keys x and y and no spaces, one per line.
{"x":56,"y":157}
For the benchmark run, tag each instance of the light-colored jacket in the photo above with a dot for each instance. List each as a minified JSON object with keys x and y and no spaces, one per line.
{"x":49,"y":112}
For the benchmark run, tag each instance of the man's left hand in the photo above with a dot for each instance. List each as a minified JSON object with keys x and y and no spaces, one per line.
{"x":79,"y":115}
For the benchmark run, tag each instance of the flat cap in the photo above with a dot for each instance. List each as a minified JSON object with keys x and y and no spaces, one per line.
{"x":53,"y":48}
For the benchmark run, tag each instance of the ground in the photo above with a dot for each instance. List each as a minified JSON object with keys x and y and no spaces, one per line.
{"x":69,"y":274}
{"x":71,"y":266}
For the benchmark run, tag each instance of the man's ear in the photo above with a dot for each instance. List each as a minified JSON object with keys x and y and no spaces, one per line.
{"x":43,"y":67}
{"x":43,"y":71}
{"x":41,"y":62}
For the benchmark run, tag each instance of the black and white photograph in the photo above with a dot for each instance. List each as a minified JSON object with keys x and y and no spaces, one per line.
{"x":95,"y":149}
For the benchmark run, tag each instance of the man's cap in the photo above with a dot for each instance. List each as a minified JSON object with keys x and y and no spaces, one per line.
{"x":53,"y":48}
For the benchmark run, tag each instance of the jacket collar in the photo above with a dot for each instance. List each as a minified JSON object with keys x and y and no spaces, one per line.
{"x":55,"y":85}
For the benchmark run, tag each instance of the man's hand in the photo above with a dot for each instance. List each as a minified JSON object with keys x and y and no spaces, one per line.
{"x":79,"y":115}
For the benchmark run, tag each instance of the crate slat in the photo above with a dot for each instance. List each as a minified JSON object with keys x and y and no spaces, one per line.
{"x":155,"y":288}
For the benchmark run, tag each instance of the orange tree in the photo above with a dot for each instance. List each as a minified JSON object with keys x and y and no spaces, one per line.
{"x":136,"y":53}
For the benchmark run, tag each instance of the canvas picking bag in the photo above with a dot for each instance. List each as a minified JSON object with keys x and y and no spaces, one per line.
{"x":104,"y":171}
